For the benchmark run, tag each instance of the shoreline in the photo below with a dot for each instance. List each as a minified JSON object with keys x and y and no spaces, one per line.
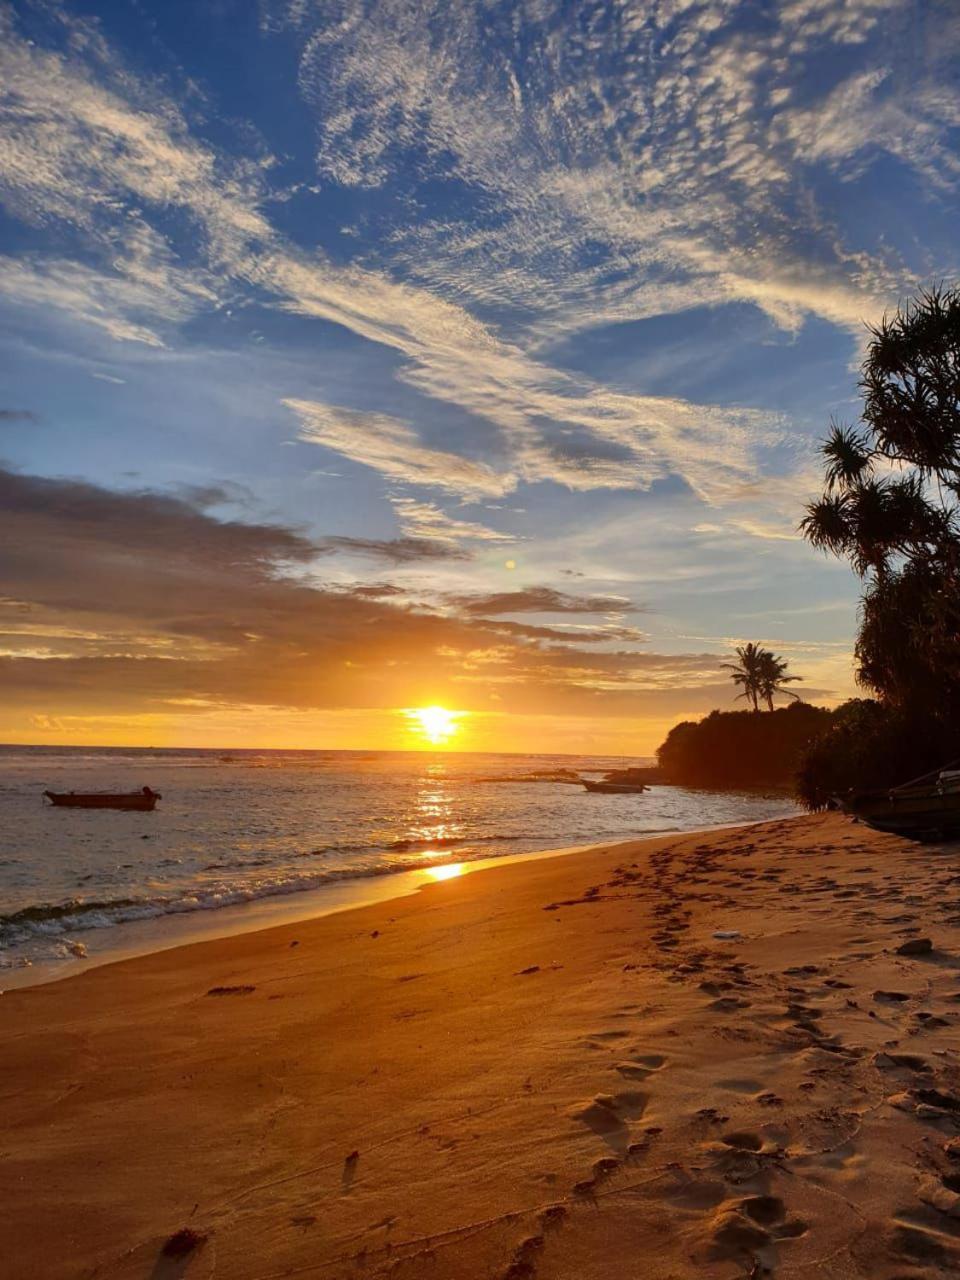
{"x":165,"y":932}
{"x":712,"y":1054}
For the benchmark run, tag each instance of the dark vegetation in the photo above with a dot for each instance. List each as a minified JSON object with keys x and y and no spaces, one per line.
{"x":890,"y":507}
{"x":742,"y":749}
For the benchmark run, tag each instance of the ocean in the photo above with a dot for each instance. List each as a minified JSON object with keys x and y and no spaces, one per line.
{"x":247,"y":838}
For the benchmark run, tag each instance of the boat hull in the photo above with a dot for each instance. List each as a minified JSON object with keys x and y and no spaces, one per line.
{"x":135,"y":801}
{"x":925,"y":813}
{"x":614,"y":788}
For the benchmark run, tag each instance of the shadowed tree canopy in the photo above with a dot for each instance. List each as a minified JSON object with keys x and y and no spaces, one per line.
{"x":890,"y":506}
{"x":740,"y":749}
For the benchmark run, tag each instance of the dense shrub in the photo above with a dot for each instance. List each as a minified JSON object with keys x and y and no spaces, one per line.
{"x":891,"y":507}
{"x":742,"y":748}
{"x":871,"y":744}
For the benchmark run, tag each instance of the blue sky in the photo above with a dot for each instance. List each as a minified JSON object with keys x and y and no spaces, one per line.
{"x":471,"y":298}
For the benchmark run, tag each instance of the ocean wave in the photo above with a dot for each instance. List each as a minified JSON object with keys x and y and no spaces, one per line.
{"x":51,"y":920}
{"x":449,"y":842}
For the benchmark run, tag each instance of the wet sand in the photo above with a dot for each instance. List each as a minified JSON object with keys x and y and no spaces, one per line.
{"x":549,"y":1069}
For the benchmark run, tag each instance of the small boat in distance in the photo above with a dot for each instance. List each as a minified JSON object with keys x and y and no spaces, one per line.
{"x":143,"y":801}
{"x":615,"y":788}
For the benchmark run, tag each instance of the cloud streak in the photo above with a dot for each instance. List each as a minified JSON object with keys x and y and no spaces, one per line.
{"x":142,"y":601}
{"x":84,"y":135}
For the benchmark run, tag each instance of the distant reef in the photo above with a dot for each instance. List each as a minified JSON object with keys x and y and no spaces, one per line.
{"x":741,"y":749}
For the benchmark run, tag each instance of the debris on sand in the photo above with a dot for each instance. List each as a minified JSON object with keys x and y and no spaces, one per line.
{"x":915,"y":947}
{"x":183,"y":1242}
{"x":231,"y":991}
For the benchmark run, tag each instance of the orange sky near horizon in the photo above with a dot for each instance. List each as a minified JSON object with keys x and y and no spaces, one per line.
{"x":373,"y":730}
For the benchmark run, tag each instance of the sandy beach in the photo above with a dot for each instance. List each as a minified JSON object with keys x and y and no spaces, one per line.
{"x":557,"y":1068}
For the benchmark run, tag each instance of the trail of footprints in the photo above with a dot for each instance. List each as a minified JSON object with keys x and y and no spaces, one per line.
{"x":734,"y":1170}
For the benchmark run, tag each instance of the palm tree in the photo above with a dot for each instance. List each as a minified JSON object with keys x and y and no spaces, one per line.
{"x":747,"y":672}
{"x":773,"y":676}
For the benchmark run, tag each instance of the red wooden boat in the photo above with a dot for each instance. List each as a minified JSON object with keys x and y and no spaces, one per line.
{"x":143,"y":801}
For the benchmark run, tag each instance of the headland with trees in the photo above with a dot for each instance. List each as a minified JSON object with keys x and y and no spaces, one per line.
{"x":891,"y":507}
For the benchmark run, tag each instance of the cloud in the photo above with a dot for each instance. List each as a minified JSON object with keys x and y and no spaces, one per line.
{"x":127,"y":308}
{"x":539,"y":600}
{"x":674,"y":169}
{"x":142,"y":603}
{"x":426,"y":520}
{"x":86,"y":138}
{"x":396,"y":550}
{"x":18,"y":415}
{"x":392,"y":448}
{"x":572,"y":635}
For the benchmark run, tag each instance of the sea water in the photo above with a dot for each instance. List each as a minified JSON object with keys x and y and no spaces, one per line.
{"x":307,"y":828}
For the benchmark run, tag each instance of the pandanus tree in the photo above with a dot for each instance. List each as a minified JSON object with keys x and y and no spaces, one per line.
{"x":890,"y":505}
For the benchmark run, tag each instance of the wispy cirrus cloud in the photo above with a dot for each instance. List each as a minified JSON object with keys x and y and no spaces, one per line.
{"x":655,"y":133}
{"x":393,"y":448}
{"x":85,"y":135}
{"x":397,"y":551}
{"x":540,"y":600}
{"x":426,"y":520}
{"x":505,"y":213}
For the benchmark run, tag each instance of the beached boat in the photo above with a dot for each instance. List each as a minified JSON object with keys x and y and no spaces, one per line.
{"x":927,"y":807}
{"x":143,"y":801}
{"x":615,"y":788}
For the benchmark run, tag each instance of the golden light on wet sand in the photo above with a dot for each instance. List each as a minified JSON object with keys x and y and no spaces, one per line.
{"x":436,"y":725}
{"x":449,"y":871}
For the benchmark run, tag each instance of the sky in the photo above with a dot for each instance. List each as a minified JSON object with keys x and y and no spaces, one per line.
{"x":364,"y":356}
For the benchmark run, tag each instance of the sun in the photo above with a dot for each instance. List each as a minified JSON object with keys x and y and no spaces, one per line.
{"x":436,"y":724}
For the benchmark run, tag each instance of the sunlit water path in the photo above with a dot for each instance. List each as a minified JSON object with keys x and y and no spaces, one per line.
{"x":263,"y":827}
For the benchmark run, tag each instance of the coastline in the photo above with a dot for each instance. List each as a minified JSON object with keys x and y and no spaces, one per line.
{"x":129,"y":939}
{"x":139,"y":938}
{"x":554,"y":1070}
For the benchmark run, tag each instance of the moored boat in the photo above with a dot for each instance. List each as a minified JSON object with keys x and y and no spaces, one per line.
{"x":143,"y":801}
{"x":927,"y":807}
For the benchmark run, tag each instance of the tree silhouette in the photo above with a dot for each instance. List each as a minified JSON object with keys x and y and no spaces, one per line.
{"x":773,"y":676}
{"x":890,"y":506}
{"x":747,"y":672}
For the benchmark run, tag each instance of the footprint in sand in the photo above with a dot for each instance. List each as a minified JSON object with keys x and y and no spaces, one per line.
{"x":901,"y":1061}
{"x":607,"y":1116}
{"x":740,"y":1085}
{"x":922,"y":1243}
{"x":743,"y":1140}
{"x":522,"y":1265}
{"x":553,"y":1216}
{"x":728,"y":1004}
{"x":739,"y":1229}
{"x":641,"y":1066}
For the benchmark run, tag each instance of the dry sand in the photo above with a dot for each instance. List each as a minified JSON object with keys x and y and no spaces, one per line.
{"x":553,"y":1069}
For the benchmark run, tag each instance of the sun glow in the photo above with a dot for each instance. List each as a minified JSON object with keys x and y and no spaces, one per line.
{"x":436,"y":725}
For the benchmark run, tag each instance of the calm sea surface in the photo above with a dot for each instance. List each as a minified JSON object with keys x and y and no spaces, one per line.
{"x":258,"y":825}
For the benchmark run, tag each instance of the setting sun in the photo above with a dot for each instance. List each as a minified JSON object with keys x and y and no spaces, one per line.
{"x":435,"y":724}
